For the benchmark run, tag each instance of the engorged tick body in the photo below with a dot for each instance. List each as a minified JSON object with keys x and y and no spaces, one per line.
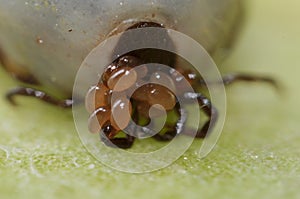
{"x":46,"y":41}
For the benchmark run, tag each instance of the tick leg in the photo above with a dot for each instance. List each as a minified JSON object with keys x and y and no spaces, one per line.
{"x":208,"y":109}
{"x":167,"y":136}
{"x":232,"y":78}
{"x":175,"y":129}
{"x":123,"y":143}
{"x":39,"y":95}
{"x":235,"y":77}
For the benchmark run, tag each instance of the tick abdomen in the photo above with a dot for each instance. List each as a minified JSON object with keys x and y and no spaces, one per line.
{"x":50,"y":39}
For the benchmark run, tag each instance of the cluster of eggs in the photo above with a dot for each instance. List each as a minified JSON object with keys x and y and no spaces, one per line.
{"x":138,"y":89}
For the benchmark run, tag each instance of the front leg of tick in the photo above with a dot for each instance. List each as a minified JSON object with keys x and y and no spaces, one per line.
{"x":107,"y":135}
{"x":123,"y":143}
{"x":208,"y":109}
{"x":176,"y":129}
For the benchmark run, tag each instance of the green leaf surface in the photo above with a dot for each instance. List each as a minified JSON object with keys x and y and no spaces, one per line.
{"x":257,"y":155}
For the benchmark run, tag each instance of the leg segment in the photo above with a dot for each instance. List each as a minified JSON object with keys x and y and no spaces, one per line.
{"x":169,"y":135}
{"x":39,"y":95}
{"x":232,"y":78}
{"x":175,"y":129}
{"x":208,"y":109}
{"x":123,"y":143}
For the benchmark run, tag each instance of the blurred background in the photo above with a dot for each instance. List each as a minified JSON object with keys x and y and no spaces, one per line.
{"x":256,"y":156}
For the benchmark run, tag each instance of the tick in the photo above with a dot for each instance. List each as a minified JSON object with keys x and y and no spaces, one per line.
{"x":136,"y":106}
{"x":144,"y":97}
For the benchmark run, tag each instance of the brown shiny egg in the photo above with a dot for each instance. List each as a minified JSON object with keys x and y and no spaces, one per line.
{"x":155,"y":94}
{"x":121,"y":113}
{"x":98,"y":119}
{"x":96,"y":97}
{"x":122,"y":79}
{"x":163,"y":79}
